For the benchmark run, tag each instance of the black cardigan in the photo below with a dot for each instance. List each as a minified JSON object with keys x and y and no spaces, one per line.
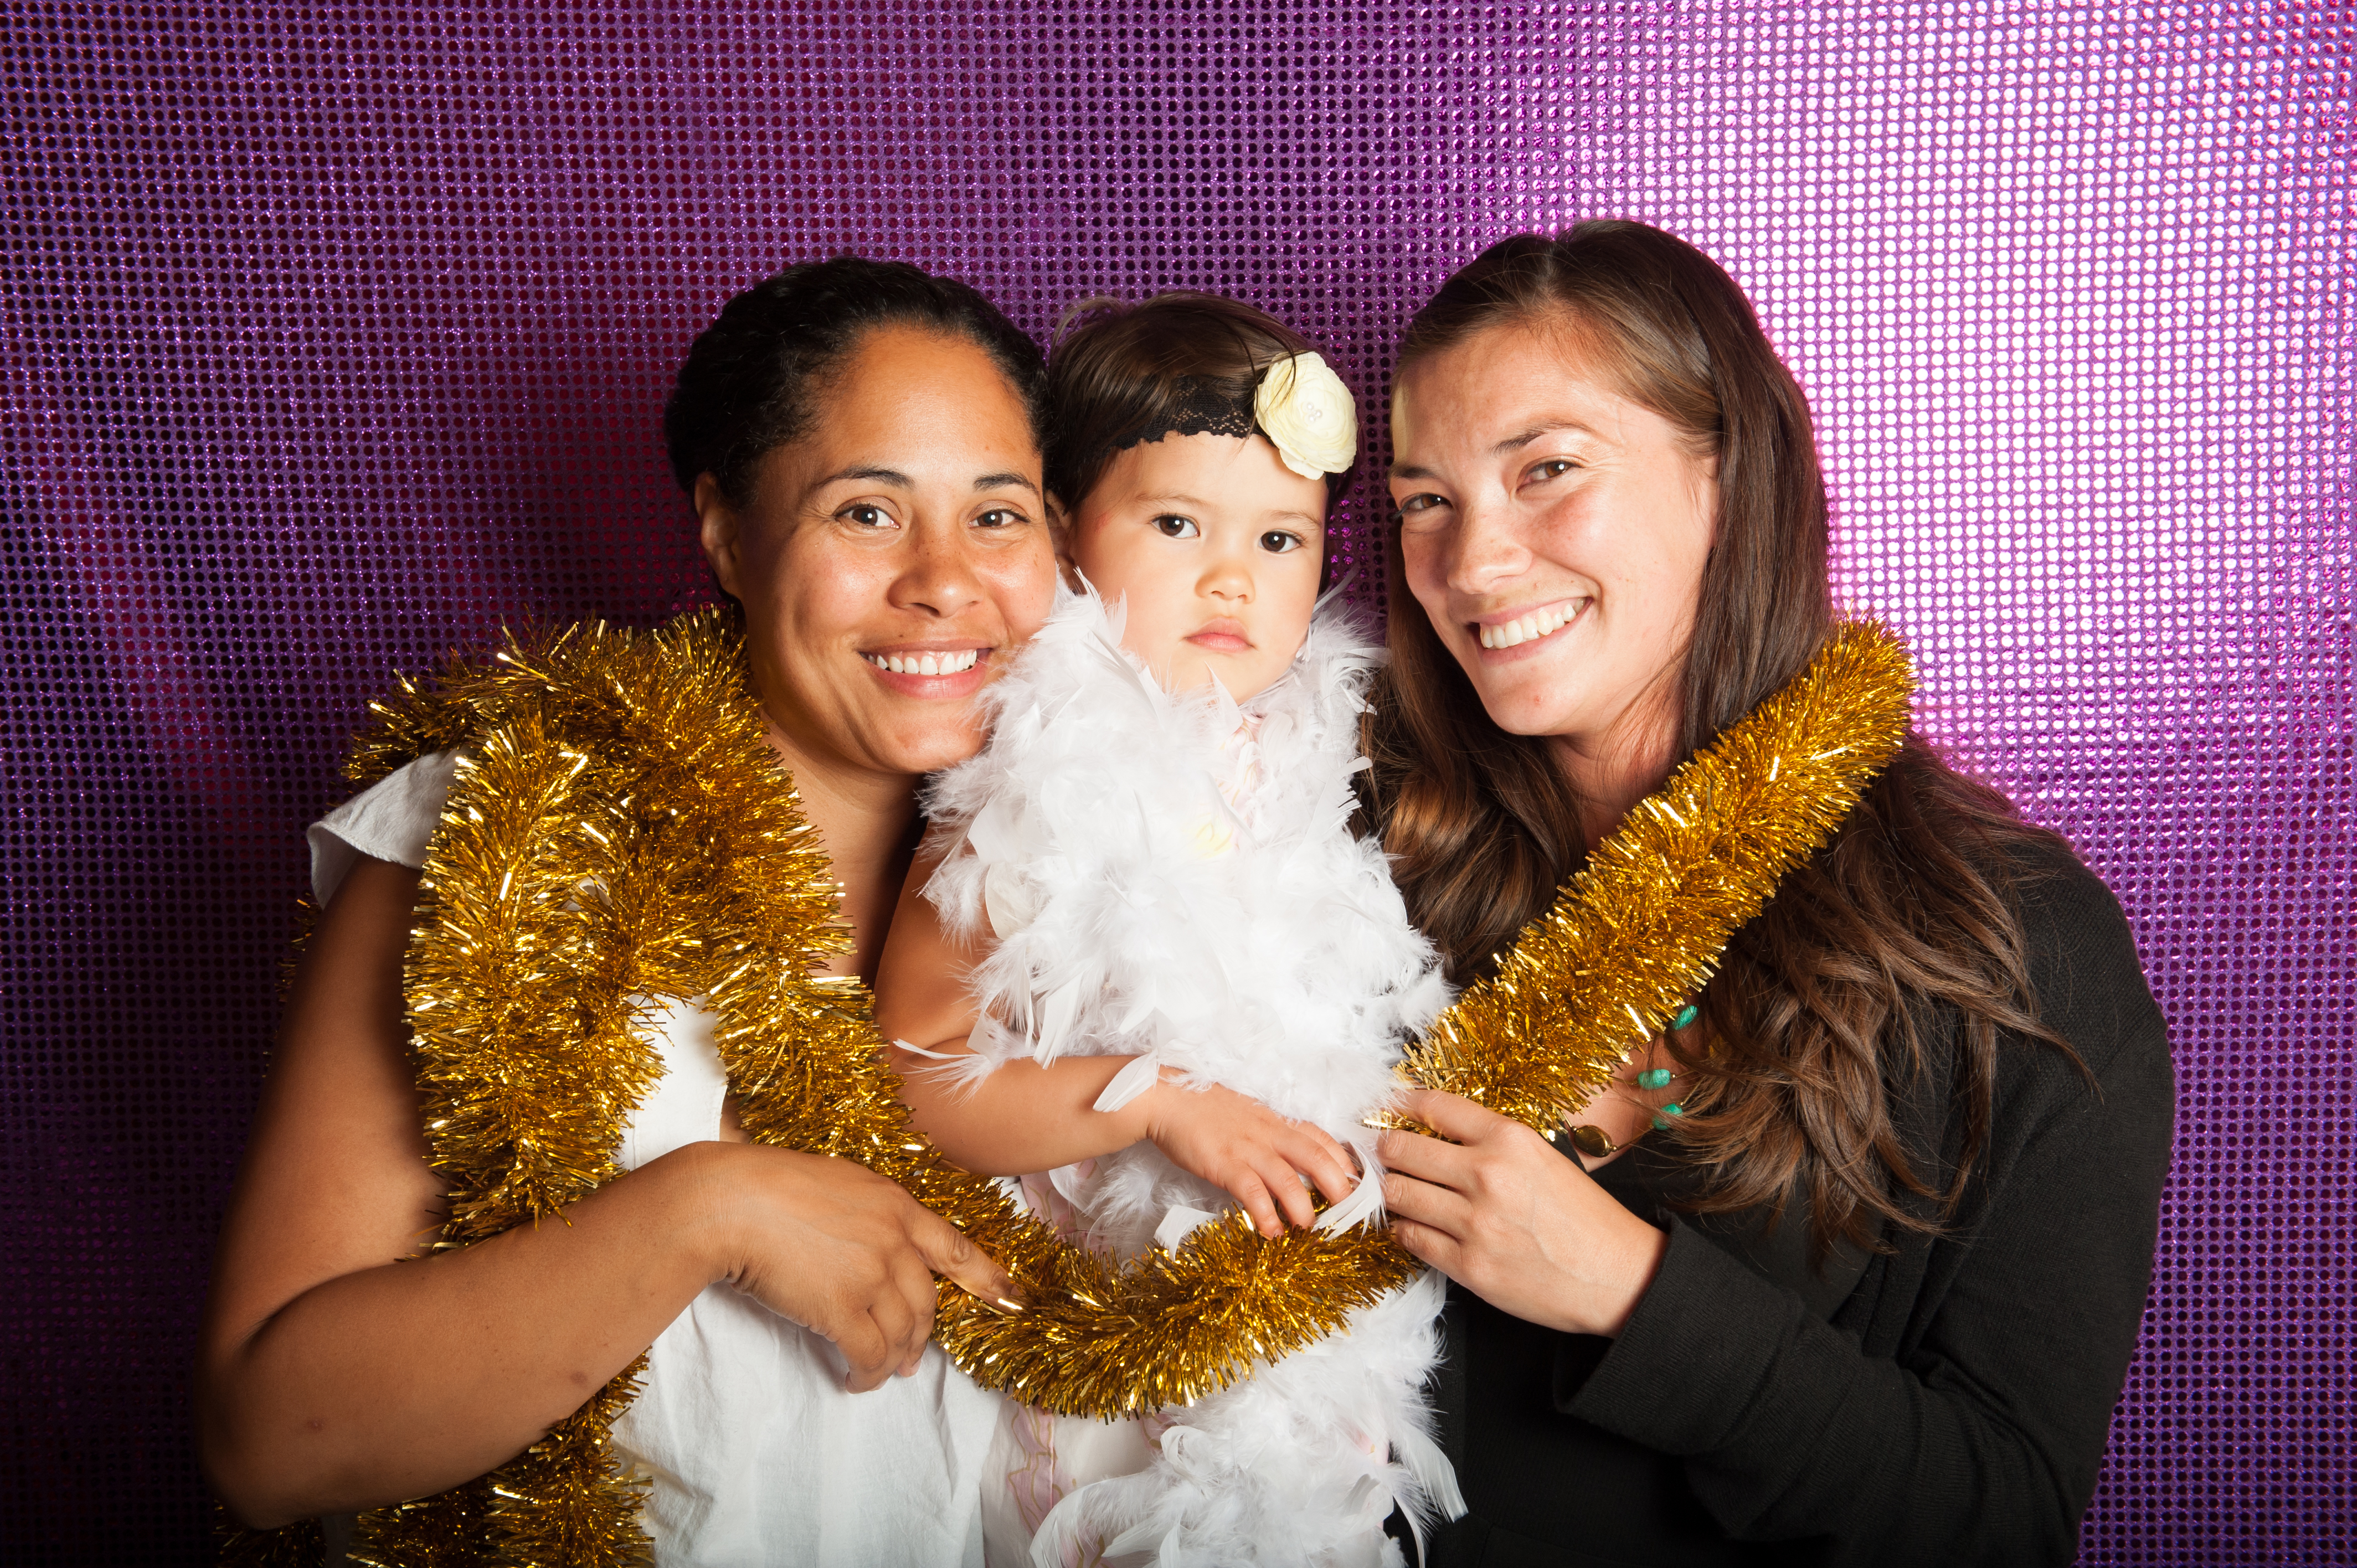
{"x":1947,"y":1403}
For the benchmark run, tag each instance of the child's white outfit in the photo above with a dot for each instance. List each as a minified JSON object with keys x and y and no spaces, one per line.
{"x":1175,"y":877}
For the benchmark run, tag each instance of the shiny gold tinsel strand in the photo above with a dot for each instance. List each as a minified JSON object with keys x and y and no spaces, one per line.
{"x":1641,"y":926}
{"x":299,"y":1545}
{"x":451,"y":1530}
{"x":621,"y":831}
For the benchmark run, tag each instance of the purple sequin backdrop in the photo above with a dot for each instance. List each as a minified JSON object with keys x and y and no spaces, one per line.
{"x":336,"y":334}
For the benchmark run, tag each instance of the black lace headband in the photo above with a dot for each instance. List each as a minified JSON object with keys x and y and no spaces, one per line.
{"x":1298,"y":403}
{"x":1201,"y":409}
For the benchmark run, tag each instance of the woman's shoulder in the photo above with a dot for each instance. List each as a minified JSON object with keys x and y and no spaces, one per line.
{"x":1967,"y":854}
{"x":393,"y":819}
{"x":2085,"y":972}
{"x":2061,"y":897}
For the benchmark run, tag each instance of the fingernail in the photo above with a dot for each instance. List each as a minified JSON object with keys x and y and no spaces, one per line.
{"x":1005,"y":1305}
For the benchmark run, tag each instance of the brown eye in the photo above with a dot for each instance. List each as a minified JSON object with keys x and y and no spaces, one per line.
{"x":1177,"y":527}
{"x":866,"y":516}
{"x":1276,"y":541}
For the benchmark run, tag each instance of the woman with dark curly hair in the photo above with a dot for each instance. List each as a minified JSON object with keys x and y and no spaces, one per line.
{"x":1845,"y":1265}
{"x":860,"y":444}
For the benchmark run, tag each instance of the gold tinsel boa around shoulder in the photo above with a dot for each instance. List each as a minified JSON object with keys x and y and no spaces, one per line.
{"x":622,"y":832}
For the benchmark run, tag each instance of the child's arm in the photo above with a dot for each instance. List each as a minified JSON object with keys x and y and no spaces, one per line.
{"x":1026,"y":1117}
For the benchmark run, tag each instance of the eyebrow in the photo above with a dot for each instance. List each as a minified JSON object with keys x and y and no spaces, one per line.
{"x":868,"y":471}
{"x":1510,"y":443}
{"x":1543,"y":428}
{"x":1310,"y":518}
{"x":895,"y":476}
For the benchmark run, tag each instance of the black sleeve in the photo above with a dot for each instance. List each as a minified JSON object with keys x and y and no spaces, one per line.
{"x":1979,"y":1440}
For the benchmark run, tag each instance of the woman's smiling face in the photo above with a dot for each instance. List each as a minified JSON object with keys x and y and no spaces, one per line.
{"x":1555,"y":532}
{"x":891,"y":558}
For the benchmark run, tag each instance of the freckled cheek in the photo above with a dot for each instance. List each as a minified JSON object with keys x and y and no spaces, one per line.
{"x":1586,"y":535}
{"x":1664,"y":581}
{"x":1023,"y":592}
{"x":822,"y":606}
{"x":821,"y":611}
{"x":1423,"y":563}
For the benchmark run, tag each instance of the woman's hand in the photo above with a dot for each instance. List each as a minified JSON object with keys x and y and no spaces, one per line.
{"x":332,"y":1377}
{"x":1513,"y":1221}
{"x":842,"y":1251}
{"x":1260,"y":1159}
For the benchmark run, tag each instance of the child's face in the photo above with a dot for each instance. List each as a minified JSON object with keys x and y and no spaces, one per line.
{"x":1216,"y":544}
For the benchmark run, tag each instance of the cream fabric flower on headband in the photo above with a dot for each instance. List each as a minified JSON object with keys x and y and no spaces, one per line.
{"x":1307,"y":413}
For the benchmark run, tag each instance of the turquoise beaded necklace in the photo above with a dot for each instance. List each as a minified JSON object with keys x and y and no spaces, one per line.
{"x":1596,"y":1143}
{"x":1660,"y":1076}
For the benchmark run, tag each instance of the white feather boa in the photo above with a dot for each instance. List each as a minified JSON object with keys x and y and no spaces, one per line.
{"x":1174,"y":877}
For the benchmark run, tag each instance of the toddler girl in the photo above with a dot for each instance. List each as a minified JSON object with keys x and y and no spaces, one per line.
{"x":1144,"y":965}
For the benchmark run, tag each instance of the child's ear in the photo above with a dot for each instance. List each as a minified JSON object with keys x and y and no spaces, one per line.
{"x":1059,"y":530}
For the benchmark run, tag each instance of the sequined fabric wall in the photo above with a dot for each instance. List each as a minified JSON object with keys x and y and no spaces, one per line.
{"x":336,"y":334}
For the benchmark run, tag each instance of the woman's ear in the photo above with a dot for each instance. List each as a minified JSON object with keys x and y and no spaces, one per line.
{"x":1704,"y":485}
{"x":718,"y":525}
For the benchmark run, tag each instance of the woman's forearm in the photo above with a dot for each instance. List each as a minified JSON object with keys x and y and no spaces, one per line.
{"x":330,"y":1377}
{"x":405,"y":1380}
{"x":1979,"y":1436}
{"x":1022,"y":1116}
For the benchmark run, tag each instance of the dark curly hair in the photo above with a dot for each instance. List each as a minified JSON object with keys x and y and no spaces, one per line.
{"x":750,"y":383}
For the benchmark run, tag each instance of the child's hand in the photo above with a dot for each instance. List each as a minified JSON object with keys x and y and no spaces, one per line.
{"x":1259,"y":1157}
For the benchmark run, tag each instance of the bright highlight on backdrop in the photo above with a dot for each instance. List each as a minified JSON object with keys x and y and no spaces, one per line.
{"x":338,"y":335}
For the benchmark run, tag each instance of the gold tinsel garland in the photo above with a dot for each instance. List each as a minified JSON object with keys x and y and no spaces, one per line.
{"x":1640,"y":928}
{"x":622,"y":831}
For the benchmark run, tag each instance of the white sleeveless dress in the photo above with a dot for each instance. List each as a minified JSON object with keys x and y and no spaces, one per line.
{"x":757,"y":1454}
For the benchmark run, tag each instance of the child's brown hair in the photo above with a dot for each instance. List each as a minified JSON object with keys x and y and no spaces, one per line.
{"x":1179,"y":363}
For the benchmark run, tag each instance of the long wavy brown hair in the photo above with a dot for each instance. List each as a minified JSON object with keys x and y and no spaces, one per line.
{"x":1818,"y":1012}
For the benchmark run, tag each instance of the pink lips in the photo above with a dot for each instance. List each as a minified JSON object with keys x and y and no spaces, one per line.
{"x":1539,"y":630}
{"x":1220,"y":637}
{"x":948,"y":681}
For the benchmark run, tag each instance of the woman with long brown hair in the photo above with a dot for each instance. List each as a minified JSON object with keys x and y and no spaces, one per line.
{"x":1846,"y":1265}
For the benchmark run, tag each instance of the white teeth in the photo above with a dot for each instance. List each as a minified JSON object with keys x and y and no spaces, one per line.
{"x":1526,"y":628}
{"x":956,"y":663}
